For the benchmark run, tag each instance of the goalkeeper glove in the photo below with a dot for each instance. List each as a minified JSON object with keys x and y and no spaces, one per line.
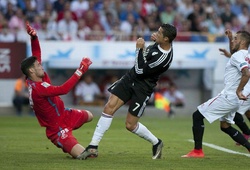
{"x":84,"y":66}
{"x":30,"y":30}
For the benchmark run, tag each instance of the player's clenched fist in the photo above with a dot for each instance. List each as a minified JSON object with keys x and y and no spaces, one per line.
{"x":140,"y":43}
{"x":30,"y":30}
{"x":229,"y":34}
{"x":84,"y":66}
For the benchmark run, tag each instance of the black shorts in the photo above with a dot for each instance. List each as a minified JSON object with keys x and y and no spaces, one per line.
{"x":129,"y":90}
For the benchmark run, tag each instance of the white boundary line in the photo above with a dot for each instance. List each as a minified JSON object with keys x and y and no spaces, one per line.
{"x":221,"y":148}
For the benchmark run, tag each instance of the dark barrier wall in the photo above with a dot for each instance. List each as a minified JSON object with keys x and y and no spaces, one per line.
{"x":11,"y":55}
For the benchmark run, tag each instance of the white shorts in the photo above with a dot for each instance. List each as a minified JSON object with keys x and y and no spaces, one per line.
{"x":221,"y":107}
{"x":244,"y":105}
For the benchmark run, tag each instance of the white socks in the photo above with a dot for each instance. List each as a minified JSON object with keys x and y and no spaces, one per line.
{"x":105,"y":122}
{"x":144,"y":133}
{"x":101,"y":127}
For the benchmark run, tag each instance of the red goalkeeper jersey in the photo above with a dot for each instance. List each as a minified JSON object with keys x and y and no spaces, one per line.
{"x":44,"y":97}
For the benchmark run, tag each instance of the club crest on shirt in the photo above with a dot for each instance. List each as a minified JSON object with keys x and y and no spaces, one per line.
{"x":64,"y":133}
{"x":45,"y":84}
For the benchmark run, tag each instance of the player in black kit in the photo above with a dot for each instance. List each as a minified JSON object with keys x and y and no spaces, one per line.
{"x":136,"y":86}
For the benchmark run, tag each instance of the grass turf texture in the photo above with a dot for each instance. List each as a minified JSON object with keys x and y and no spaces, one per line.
{"x":23,"y":145}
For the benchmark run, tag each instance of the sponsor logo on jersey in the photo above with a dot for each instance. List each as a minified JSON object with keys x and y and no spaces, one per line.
{"x":45,"y":84}
{"x":154,"y":53}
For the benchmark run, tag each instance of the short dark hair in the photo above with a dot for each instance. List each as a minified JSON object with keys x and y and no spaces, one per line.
{"x":169,"y":31}
{"x":26,"y":64}
{"x":245,"y":36}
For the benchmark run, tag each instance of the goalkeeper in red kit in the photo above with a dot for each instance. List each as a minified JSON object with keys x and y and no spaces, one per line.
{"x":48,"y":106}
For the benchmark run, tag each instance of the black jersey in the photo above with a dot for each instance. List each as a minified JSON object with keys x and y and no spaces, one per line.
{"x":150,"y":63}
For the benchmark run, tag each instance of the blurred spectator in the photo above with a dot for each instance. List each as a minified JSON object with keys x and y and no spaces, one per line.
{"x":183,"y":28}
{"x":185,"y":7}
{"x":91,"y":17}
{"x":36,"y":24}
{"x":113,"y":17}
{"x":168,"y":15}
{"x":9,"y":11}
{"x":79,"y":7}
{"x":127,"y":25}
{"x":17,"y":21}
{"x":88,"y":92}
{"x":236,"y":6}
{"x":66,"y":7}
{"x":247,"y":26}
{"x":244,"y":16}
{"x":142,"y":30}
{"x":6,"y":35}
{"x":58,"y":5}
{"x":21,"y":35}
{"x":41,"y":4}
{"x":216,"y":27}
{"x":235,"y":24}
{"x":108,"y":21}
{"x":108,"y":8}
{"x":130,"y":9}
{"x":67,"y":27}
{"x":163,"y":84}
{"x":45,"y":33}
{"x":175,"y":96}
{"x":147,"y":7}
{"x":48,"y":13}
{"x":206,"y":5}
{"x":83,"y":30}
{"x":153,"y":21}
{"x":196,"y":18}
{"x":30,"y":10}
{"x":97,"y":33}
{"x":219,"y":6}
{"x":117,"y":34}
{"x":227,"y":16}
{"x":51,"y":17}
{"x":3,"y":21}
{"x":21,"y":4}
{"x":21,"y":95}
{"x":4,"y":4}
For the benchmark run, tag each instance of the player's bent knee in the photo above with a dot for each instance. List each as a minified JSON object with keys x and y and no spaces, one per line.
{"x":90,"y":116}
{"x":130,"y":127}
{"x":238,"y":118}
{"x":224,"y":125}
{"x":229,"y":130}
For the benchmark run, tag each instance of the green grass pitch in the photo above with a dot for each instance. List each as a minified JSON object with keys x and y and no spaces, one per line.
{"x":23,"y":145}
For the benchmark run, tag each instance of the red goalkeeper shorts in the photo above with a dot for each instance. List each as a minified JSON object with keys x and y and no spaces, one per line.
{"x":63,"y":137}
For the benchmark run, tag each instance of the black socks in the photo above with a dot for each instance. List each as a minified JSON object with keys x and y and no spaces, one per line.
{"x":198,"y":129}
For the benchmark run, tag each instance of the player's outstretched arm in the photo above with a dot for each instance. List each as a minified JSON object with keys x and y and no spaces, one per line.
{"x":48,"y":90}
{"x":229,"y":35}
{"x":225,"y":52}
{"x":35,"y":45}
